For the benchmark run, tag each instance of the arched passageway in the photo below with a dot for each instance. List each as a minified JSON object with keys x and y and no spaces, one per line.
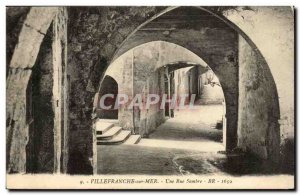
{"x":221,"y":38}
{"x":227,"y":52}
{"x":212,"y":40}
{"x":140,"y":71}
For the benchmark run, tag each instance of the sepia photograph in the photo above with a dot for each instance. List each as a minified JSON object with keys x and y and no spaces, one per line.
{"x":150,"y":97}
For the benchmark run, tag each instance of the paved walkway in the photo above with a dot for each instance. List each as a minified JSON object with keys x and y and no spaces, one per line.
{"x":184,"y":144}
{"x":191,"y":130}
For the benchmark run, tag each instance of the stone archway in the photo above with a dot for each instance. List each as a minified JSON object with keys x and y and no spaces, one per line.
{"x":26,"y":51}
{"x":146,"y":63}
{"x":106,"y":44}
{"x":214,"y":41}
{"x":117,"y":31}
{"x":223,"y":53}
{"x":226,"y":49}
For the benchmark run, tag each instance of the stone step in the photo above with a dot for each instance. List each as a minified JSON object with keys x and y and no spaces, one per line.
{"x":113,"y":121}
{"x":133,"y":139}
{"x":118,"y":139}
{"x":101,"y":127}
{"x":113,"y":131}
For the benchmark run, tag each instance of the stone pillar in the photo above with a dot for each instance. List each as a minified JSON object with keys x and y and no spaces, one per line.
{"x":258,"y":127}
{"x":60,"y":90}
{"x":125,"y":115}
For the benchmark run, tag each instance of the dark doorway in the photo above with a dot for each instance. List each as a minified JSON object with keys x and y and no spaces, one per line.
{"x":169,"y":90}
{"x":108,"y":86}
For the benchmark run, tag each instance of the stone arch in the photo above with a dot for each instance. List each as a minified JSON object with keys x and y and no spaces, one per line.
{"x":33,"y":31}
{"x":221,"y":56}
{"x":24,"y":58}
{"x":267,"y":148}
{"x":181,"y":55}
{"x":151,"y":57}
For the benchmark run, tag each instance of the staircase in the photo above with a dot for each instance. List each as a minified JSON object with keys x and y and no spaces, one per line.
{"x":109,"y":133}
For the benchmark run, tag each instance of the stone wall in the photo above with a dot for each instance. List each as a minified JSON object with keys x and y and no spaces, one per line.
{"x":146,"y":59}
{"x":258,"y":128}
{"x":271,"y":29}
{"x":132,"y":71}
{"x":121,"y":71}
{"x":94,"y":34}
{"x":154,"y":116}
{"x":126,"y":87}
{"x":186,"y":82}
{"x":210,"y":93}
